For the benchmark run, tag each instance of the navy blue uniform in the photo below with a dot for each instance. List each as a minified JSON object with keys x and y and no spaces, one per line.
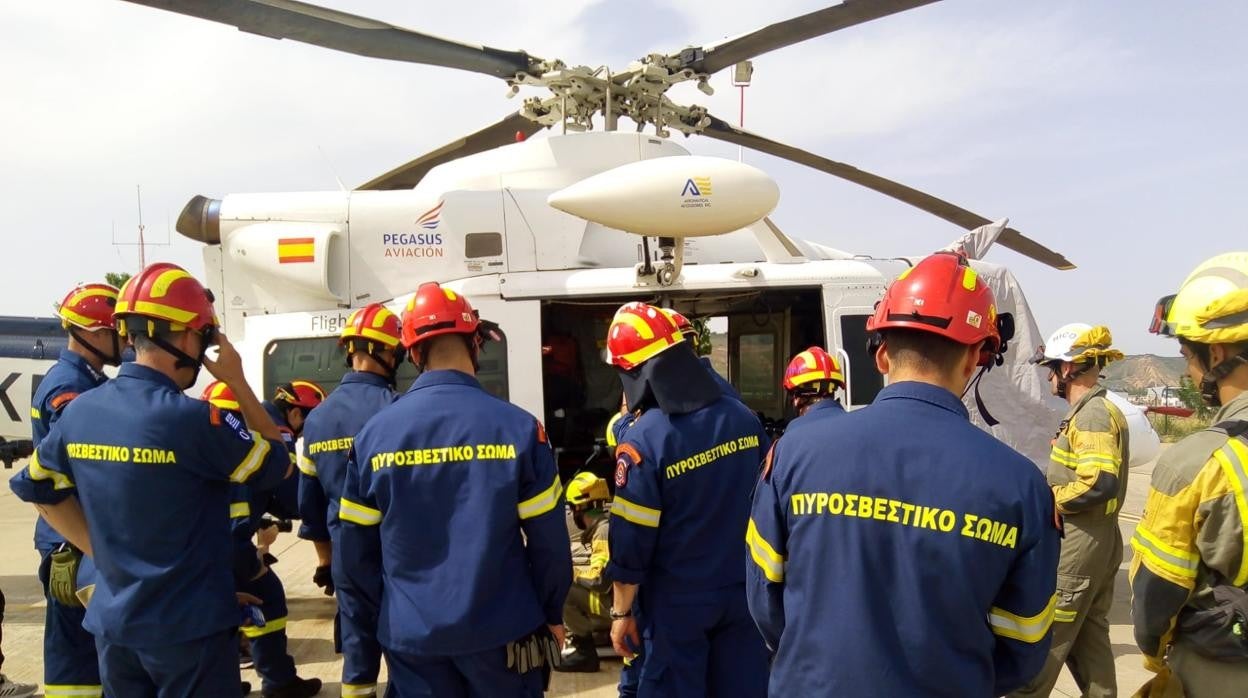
{"x":899,"y":551}
{"x":724,"y":386}
{"x":152,"y":469}
{"x":683,"y":487}
{"x":440,"y":488}
{"x":268,"y":644}
{"x":284,"y":499}
{"x":327,"y":437}
{"x":69,"y":659}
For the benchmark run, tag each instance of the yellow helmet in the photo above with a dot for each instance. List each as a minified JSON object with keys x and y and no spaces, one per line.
{"x":1078,"y":342}
{"x":586,"y":488}
{"x":1211,"y":306}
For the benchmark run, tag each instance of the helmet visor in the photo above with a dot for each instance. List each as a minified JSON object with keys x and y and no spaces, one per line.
{"x":1160,"y":324}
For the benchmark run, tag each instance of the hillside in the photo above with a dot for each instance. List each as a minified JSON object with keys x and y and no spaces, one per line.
{"x":1135,"y":373}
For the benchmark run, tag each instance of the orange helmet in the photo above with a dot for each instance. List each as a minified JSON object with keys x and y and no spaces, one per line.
{"x":682,"y":323}
{"x":638,"y":333}
{"x":163,"y":293}
{"x":89,"y":307}
{"x":943,"y":295}
{"x":813,"y":371}
{"x":372,"y":323}
{"x":220,"y":396}
{"x":434,"y":311}
{"x":299,"y":393}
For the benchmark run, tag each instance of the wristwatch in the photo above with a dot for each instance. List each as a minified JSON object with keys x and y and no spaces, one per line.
{"x":616,"y":615}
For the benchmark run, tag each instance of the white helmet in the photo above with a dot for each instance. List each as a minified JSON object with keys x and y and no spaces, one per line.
{"x":1078,"y":342}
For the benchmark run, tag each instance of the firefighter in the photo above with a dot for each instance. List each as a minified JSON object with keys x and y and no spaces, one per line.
{"x":811,"y":380}
{"x":1189,"y":578}
{"x":291,"y":404}
{"x":252,"y":576}
{"x":1089,"y":479}
{"x":586,"y":610}
{"x":451,"y":522}
{"x":684,"y":469}
{"x":70,"y":665}
{"x":370,"y":341}
{"x":912,"y":547}
{"x":152,"y":469}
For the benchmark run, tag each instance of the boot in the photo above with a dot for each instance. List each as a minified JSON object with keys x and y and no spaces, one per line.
{"x":579,"y":656}
{"x":246,"y":688}
{"x":299,"y":688}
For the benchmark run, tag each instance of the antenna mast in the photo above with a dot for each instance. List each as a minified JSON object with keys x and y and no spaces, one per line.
{"x":138,"y":189}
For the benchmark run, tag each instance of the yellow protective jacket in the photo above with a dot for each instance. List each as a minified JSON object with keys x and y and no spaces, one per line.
{"x":1193,"y":534}
{"x":590,"y":557}
{"x":1087,"y":464}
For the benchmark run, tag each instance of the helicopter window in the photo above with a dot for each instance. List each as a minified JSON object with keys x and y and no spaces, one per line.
{"x":319,"y":359}
{"x":483,"y":245}
{"x":757,"y":370}
{"x":864,"y":381}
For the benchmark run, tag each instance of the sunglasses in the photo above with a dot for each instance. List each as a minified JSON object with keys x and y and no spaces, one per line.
{"x":1160,"y":325}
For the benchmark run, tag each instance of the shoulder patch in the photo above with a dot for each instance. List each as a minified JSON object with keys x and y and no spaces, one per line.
{"x":237,"y":425}
{"x":626,"y":458}
{"x":61,"y":400}
{"x":541,"y":432}
{"x":214,"y":415}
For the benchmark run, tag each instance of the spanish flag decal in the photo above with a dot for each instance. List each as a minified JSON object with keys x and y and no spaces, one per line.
{"x":294,"y":250}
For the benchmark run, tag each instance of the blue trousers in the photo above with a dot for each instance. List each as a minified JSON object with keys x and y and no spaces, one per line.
{"x":630,"y":674}
{"x":355,"y":635}
{"x":203,"y":668}
{"x":268,"y":644}
{"x":70,"y":664}
{"x":702,"y":644}
{"x":481,"y":675}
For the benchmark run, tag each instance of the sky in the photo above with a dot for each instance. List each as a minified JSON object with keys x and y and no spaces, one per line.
{"x":1112,"y":132}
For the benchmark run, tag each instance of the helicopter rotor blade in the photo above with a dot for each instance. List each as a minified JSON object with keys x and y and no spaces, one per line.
{"x":407,"y":175}
{"x":1011,"y":238}
{"x":320,"y":26}
{"x":716,"y":57}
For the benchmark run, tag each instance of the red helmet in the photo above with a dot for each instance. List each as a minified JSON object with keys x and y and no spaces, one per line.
{"x":682,"y":323}
{"x":434,"y":311}
{"x":166,"y":293}
{"x":373,"y":323}
{"x":942,"y":294}
{"x":89,"y":307}
{"x":811,"y":371}
{"x":638,"y":333}
{"x":220,"y":396}
{"x":299,"y":393}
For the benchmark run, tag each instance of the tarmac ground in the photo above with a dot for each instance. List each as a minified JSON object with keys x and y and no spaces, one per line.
{"x":310,"y":625}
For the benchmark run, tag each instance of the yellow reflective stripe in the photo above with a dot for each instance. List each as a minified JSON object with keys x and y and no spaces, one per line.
{"x":306,"y":465}
{"x":599,"y":560}
{"x":642,"y":516}
{"x":156,"y":310}
{"x":1101,"y":461}
{"x":1111,"y":506}
{"x":253,"y":459}
{"x":75,"y":318}
{"x":1029,"y":629}
{"x":353,"y":690}
{"x":1233,"y":458}
{"x":611,"y":429}
{"x":1062,"y":457}
{"x":540,"y":504}
{"x":34,"y":412}
{"x":386,"y":339}
{"x":595,"y":605}
{"x":358,"y":513}
{"x":160,"y":287}
{"x":240,"y":510}
{"x":1063,"y":616}
{"x":60,"y":481}
{"x":765,"y":556}
{"x":271,"y":625}
{"x":1156,"y":553}
{"x":67,"y":691}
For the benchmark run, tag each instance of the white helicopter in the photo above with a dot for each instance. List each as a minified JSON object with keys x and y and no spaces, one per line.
{"x":548,"y":236}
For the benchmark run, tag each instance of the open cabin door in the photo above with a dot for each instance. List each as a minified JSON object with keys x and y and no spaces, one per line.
{"x":846,"y":309}
{"x":758,"y":352}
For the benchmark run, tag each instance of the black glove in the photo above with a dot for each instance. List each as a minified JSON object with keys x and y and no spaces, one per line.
{"x":323,"y":579}
{"x":63,"y":576}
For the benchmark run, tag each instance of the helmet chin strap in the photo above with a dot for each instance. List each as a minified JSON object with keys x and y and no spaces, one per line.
{"x":109,"y":360}
{"x":183,"y":360}
{"x":1209,"y":381}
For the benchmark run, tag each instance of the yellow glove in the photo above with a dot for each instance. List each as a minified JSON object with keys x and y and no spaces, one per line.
{"x":1157,"y":665}
{"x":1163,"y":685}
